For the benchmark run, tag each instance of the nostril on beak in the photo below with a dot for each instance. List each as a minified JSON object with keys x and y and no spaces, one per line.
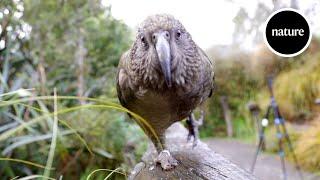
{"x":164,"y":34}
{"x":167,"y":34}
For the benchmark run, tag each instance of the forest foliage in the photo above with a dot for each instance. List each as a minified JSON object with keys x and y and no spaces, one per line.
{"x":74,"y":47}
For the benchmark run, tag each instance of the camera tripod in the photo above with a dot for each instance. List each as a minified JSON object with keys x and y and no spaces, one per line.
{"x":282,"y":135}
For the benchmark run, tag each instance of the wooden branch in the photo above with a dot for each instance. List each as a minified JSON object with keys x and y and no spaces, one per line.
{"x":194,"y":163}
{"x":227,"y":115}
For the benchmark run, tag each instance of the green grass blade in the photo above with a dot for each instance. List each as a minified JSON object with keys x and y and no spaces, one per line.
{"x":108,"y":170}
{"x":78,"y":135}
{"x":35,"y":177}
{"x":29,"y":140}
{"x":25,"y":162}
{"x":8,"y":126}
{"x":103,"y":153}
{"x":31,"y":107}
{"x":20,"y":92}
{"x":20,"y":121}
{"x":54,"y":137}
{"x":110,"y":174}
{"x":36,"y":98}
{"x":146,"y":127}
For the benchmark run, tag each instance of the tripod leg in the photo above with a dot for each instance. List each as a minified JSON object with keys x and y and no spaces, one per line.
{"x":260,"y":145}
{"x":279,"y":121}
{"x":286,"y":135}
{"x":281,"y":150}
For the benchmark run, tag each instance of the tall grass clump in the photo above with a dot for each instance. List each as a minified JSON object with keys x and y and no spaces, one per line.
{"x":308,"y":146}
{"x":297,"y":89}
{"x":272,"y":141}
{"x":71,"y":141}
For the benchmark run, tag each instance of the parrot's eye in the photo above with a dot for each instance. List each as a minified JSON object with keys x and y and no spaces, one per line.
{"x":144,"y":42}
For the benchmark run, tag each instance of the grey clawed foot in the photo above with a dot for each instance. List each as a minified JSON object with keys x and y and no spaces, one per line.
{"x":194,"y":136}
{"x":166,"y":161}
{"x":193,"y":127}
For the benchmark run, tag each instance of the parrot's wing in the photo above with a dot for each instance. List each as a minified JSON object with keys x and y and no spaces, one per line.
{"x":204,"y":56}
{"x":125,"y":92}
{"x":208,"y":69}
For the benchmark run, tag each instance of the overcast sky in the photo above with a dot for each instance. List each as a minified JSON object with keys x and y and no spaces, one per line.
{"x":208,"y":21}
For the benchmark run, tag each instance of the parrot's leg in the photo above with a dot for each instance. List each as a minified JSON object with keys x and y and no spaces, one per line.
{"x":165,"y":159}
{"x":193,"y":127}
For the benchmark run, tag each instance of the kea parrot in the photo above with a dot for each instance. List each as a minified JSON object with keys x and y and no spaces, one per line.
{"x":163,"y":77}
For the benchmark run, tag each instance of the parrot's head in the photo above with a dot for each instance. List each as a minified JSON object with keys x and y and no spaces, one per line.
{"x":162,"y":45}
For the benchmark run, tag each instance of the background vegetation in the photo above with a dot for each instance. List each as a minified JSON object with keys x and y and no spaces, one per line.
{"x":74,"y":47}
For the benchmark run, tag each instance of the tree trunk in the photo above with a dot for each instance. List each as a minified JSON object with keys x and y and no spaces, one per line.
{"x":276,"y":4}
{"x":41,"y":69}
{"x":42,"y":74}
{"x":79,"y":58}
{"x":199,"y":162}
{"x":294,"y":4}
{"x":227,"y":115}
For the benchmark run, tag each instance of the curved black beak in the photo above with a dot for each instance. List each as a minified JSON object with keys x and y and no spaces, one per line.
{"x":164,"y":56}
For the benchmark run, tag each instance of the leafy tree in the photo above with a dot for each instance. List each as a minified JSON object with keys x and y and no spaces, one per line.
{"x":77,"y":43}
{"x":74,"y":46}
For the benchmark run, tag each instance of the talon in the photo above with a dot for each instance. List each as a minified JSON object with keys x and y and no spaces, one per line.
{"x":195,"y":143}
{"x":166,"y":161}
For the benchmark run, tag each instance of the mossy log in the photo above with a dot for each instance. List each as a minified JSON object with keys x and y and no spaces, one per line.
{"x":198,"y":162}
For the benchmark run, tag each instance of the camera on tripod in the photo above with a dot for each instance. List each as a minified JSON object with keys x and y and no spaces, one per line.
{"x":282,"y":135}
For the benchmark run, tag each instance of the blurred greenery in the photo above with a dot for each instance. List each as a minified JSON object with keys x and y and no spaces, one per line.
{"x":74,"y":46}
{"x":307,"y":148}
{"x":44,"y":41}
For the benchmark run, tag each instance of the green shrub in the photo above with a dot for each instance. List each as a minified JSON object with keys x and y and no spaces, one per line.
{"x":308,"y":146}
{"x":272,"y":142}
{"x":297,"y":89}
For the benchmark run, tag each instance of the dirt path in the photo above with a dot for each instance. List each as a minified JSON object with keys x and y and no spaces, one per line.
{"x":268,"y":166}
